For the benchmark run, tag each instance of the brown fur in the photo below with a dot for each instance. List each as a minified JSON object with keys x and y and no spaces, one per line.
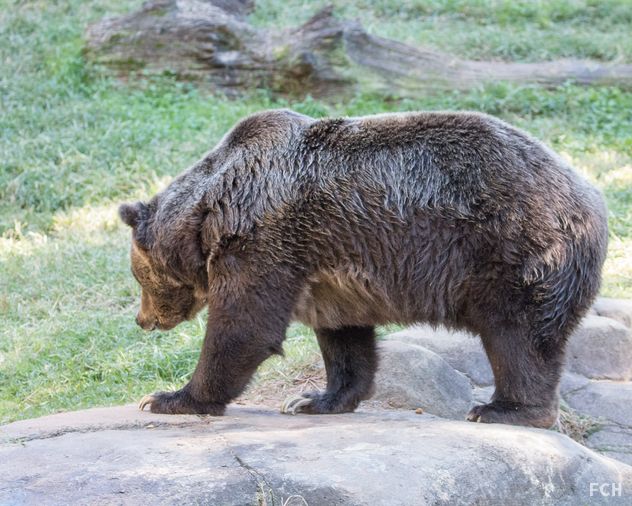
{"x":448,"y":218}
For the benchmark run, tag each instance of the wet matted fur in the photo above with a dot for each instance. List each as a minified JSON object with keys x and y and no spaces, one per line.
{"x":447,"y":218}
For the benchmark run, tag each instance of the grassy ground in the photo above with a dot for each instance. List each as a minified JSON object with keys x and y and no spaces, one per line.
{"x":516,"y":30}
{"x":75,"y":143}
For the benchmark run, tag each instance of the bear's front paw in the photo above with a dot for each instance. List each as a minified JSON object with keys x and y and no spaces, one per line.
{"x":179,"y":402}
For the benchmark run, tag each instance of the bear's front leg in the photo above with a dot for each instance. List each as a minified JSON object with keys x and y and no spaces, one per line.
{"x":243,"y":330}
{"x":230,"y":355}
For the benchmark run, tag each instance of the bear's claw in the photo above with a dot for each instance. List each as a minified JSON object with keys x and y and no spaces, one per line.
{"x":514,"y":414}
{"x":294,"y":403}
{"x":146,"y":401}
{"x":473,"y":417}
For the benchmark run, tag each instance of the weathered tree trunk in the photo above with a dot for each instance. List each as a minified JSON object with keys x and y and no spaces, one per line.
{"x":211,"y":41}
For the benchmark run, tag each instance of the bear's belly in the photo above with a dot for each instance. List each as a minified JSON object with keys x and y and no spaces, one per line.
{"x":340,"y":298}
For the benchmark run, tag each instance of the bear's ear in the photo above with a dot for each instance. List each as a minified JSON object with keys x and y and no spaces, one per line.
{"x":133,"y":214}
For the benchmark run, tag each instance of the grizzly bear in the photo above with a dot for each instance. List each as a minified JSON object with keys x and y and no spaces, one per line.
{"x":454,"y":219}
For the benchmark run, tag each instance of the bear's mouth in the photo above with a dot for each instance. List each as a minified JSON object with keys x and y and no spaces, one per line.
{"x":165,"y":326}
{"x":155,"y":323}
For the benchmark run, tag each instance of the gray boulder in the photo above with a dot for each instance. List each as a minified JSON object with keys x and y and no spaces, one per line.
{"x":463,"y":351}
{"x":616,"y":309}
{"x":610,"y":400}
{"x":410,"y":376}
{"x":601,"y":348}
{"x":124,"y":456}
{"x":482,"y":395}
{"x":571,"y":382}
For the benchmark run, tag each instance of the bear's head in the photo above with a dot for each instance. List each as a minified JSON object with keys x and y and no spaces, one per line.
{"x":166,"y":298}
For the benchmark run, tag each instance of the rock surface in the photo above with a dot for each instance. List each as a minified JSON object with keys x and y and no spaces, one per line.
{"x":601,"y":348}
{"x":463,"y":351}
{"x":609,"y":400}
{"x":482,"y":395}
{"x":123,"y":456}
{"x":616,"y":309}
{"x":411,"y":376}
{"x":613,"y":441}
{"x":571,"y":382}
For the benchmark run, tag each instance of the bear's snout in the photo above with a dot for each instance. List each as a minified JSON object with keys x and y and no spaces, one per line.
{"x":146,"y":323}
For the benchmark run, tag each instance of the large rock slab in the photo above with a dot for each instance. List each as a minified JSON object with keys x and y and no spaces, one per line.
{"x":260,"y":457}
{"x":616,"y":309}
{"x":463,"y":351}
{"x":601,"y":348}
{"x":610,"y":400}
{"x":411,"y":376}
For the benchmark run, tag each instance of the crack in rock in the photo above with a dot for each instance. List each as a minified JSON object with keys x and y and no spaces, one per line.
{"x":264,"y":491}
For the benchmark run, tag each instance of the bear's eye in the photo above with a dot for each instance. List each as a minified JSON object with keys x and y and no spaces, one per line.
{"x":142,"y":274}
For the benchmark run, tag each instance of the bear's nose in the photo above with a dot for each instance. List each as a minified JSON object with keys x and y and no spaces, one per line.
{"x":145,"y":324}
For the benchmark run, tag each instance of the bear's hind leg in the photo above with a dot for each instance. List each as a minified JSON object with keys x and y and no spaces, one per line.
{"x":526,"y":379}
{"x":350,"y":360}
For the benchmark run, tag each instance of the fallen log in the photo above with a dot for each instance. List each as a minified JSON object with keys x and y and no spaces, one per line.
{"x":212,"y":42}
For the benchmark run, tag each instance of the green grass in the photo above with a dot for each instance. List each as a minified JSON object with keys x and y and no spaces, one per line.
{"x":517,"y":30}
{"x":74,"y":143}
